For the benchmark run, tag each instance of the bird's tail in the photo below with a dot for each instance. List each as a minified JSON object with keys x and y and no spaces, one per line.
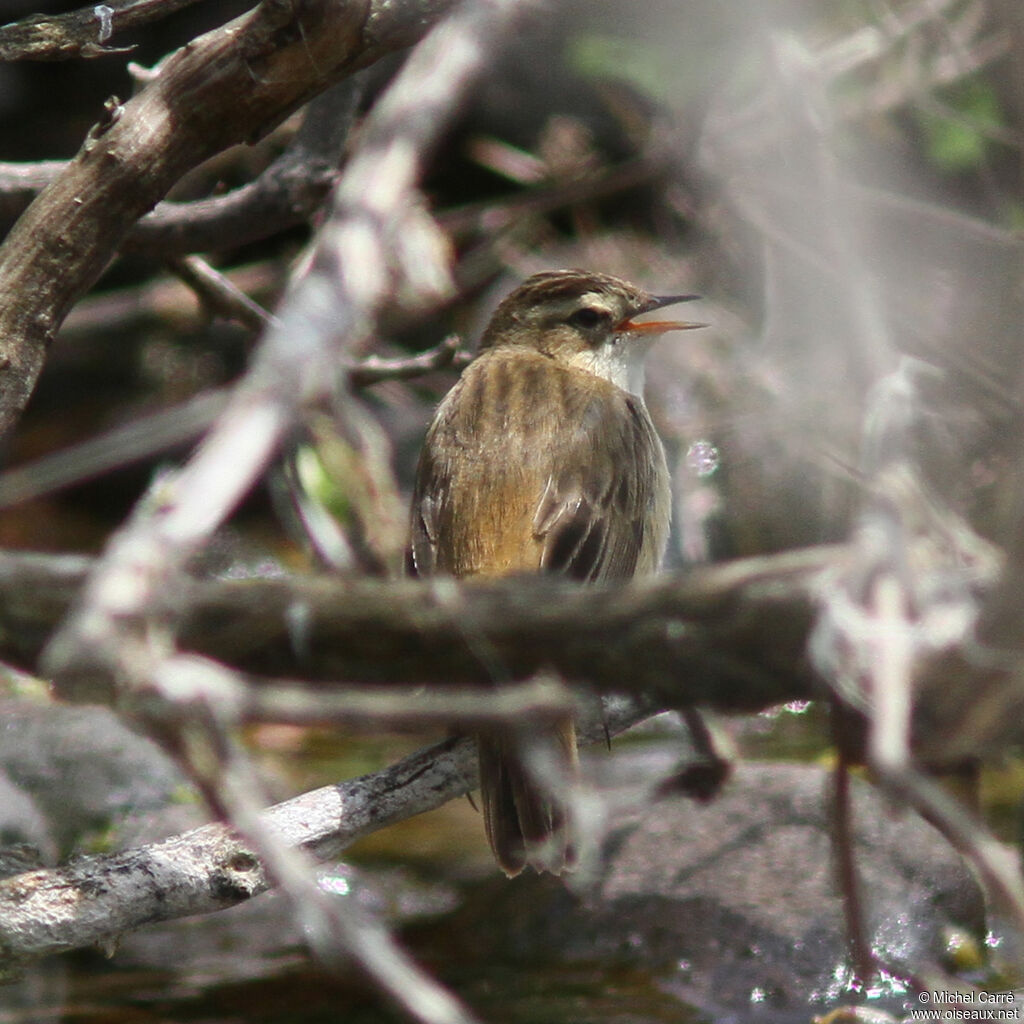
{"x":525,"y":824}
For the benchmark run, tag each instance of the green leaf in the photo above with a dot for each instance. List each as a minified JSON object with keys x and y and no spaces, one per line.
{"x":960,"y":141}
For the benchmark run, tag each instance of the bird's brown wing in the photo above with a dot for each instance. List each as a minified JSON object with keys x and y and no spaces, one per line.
{"x":577,"y":487}
{"x":601,"y":514}
{"x":529,"y":467}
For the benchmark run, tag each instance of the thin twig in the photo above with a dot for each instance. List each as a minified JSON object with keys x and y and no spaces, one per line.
{"x":21,"y":183}
{"x":123,"y":446}
{"x":997,"y":865}
{"x":375,"y":369}
{"x":489,"y":217}
{"x":215,"y":290}
{"x":160,"y":432}
{"x":294,"y":702}
{"x":844,"y":851}
{"x":165,"y":299}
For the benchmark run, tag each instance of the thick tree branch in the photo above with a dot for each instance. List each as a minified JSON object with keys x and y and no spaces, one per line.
{"x":229,"y":86}
{"x":732,"y":636}
{"x":286,"y":193}
{"x":81,"y":33}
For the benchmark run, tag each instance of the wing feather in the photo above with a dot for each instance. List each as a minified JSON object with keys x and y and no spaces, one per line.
{"x":579,"y":488}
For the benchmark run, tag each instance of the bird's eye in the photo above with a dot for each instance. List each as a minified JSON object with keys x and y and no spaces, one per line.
{"x":589,"y":318}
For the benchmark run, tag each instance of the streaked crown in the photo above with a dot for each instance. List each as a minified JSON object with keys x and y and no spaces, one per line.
{"x":582,"y":319}
{"x":577,"y":305}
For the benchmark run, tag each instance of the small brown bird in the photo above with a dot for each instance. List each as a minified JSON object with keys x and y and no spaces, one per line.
{"x":543,"y":457}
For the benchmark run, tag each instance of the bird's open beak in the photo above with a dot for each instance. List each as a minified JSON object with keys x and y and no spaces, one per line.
{"x":632,"y":326}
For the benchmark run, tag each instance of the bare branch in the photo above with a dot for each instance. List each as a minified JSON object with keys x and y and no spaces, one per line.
{"x":231,"y":85}
{"x":731,"y":636}
{"x":123,"y":446}
{"x":333,"y":929}
{"x":286,"y":193}
{"x":997,"y":864}
{"x":295,"y":185}
{"x":245,"y":698}
{"x":81,"y":33}
{"x":161,"y":431}
{"x":164,"y":298}
{"x":375,"y":370}
{"x":361,"y":708}
{"x":208,"y":869}
{"x":490,"y":217}
{"x":21,"y":183}
{"x":217,"y":292}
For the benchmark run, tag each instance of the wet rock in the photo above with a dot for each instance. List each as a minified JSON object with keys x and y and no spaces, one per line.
{"x":67,"y":771}
{"x":734,"y":904}
{"x":26,"y":839}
